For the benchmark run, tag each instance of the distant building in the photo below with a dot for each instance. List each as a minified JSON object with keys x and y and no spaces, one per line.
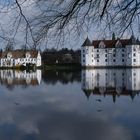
{"x":20,"y":57}
{"x":108,"y":53}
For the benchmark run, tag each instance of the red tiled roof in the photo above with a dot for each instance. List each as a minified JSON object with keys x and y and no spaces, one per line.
{"x":111,"y":43}
{"x":19,"y":54}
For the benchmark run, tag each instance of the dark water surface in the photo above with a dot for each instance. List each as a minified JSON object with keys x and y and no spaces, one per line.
{"x":88,"y":105}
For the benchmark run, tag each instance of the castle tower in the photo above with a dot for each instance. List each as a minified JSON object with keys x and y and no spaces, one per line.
{"x":87,"y":54}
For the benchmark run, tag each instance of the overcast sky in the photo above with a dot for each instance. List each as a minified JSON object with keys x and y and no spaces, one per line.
{"x":9,"y":20}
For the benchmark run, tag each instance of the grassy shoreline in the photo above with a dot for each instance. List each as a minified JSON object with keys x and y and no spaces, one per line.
{"x":62,"y":67}
{"x":46,"y":67}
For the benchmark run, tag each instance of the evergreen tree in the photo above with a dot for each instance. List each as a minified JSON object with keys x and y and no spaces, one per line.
{"x":113,"y":36}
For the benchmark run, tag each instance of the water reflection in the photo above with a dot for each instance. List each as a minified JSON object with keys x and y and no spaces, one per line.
{"x":58,"y":110}
{"x":12,"y":78}
{"x":65,"y":77}
{"x":115,"y":82}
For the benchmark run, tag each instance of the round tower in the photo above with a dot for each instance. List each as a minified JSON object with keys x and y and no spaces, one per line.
{"x":87,"y":54}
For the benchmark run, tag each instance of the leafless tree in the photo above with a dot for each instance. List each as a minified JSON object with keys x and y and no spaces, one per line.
{"x":60,"y":18}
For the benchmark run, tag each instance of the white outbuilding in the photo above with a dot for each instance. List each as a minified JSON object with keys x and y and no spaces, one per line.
{"x":20,"y":58}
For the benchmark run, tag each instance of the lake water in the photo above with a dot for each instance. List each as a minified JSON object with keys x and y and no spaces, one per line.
{"x":101,"y":104}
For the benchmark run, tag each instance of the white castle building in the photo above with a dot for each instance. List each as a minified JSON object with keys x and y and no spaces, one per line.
{"x":111,"y":53}
{"x":115,"y":82}
{"x":20,"y":57}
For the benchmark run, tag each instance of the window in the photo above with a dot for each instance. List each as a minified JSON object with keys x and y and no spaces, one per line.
{"x":97,"y":60}
{"x":122,"y":60}
{"x":134,"y":74}
{"x":114,"y":55}
{"x":134,"y":54}
{"x":134,"y":79}
{"x":122,"y":50}
{"x":134,"y":49}
{"x":105,"y":50}
{"x":97,"y":55}
{"x":83,"y":60}
{"x":134,"y":60}
{"x":83,"y":51}
{"x":97,"y":50}
{"x":84,"y":74}
{"x":114,"y":60}
{"x":83,"y":55}
{"x":105,"y":55}
{"x":92,"y":60}
{"x":122,"y":55}
{"x":92,"y":55}
{"x":105,"y":60}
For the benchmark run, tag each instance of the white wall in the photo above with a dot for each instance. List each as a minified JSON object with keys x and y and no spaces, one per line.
{"x":21,"y":61}
{"x":119,"y":56}
{"x":87,"y":56}
{"x":38,"y":63}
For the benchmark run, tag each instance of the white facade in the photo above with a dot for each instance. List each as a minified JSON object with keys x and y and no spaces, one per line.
{"x":10,"y":59}
{"x":110,"y":53}
{"x":111,"y":81}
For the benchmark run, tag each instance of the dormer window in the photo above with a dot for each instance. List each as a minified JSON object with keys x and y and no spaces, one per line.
{"x":28,"y":55}
{"x":118,"y":44}
{"x":102,"y":44}
{"x":9,"y":55}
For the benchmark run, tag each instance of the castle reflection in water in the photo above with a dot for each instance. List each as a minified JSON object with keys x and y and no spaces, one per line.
{"x":114,"y":82}
{"x":14,"y":77}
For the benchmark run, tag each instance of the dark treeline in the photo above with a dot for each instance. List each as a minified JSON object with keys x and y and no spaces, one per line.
{"x":62,"y":56}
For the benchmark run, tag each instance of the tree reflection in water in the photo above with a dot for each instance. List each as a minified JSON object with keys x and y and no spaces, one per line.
{"x":56,"y":108}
